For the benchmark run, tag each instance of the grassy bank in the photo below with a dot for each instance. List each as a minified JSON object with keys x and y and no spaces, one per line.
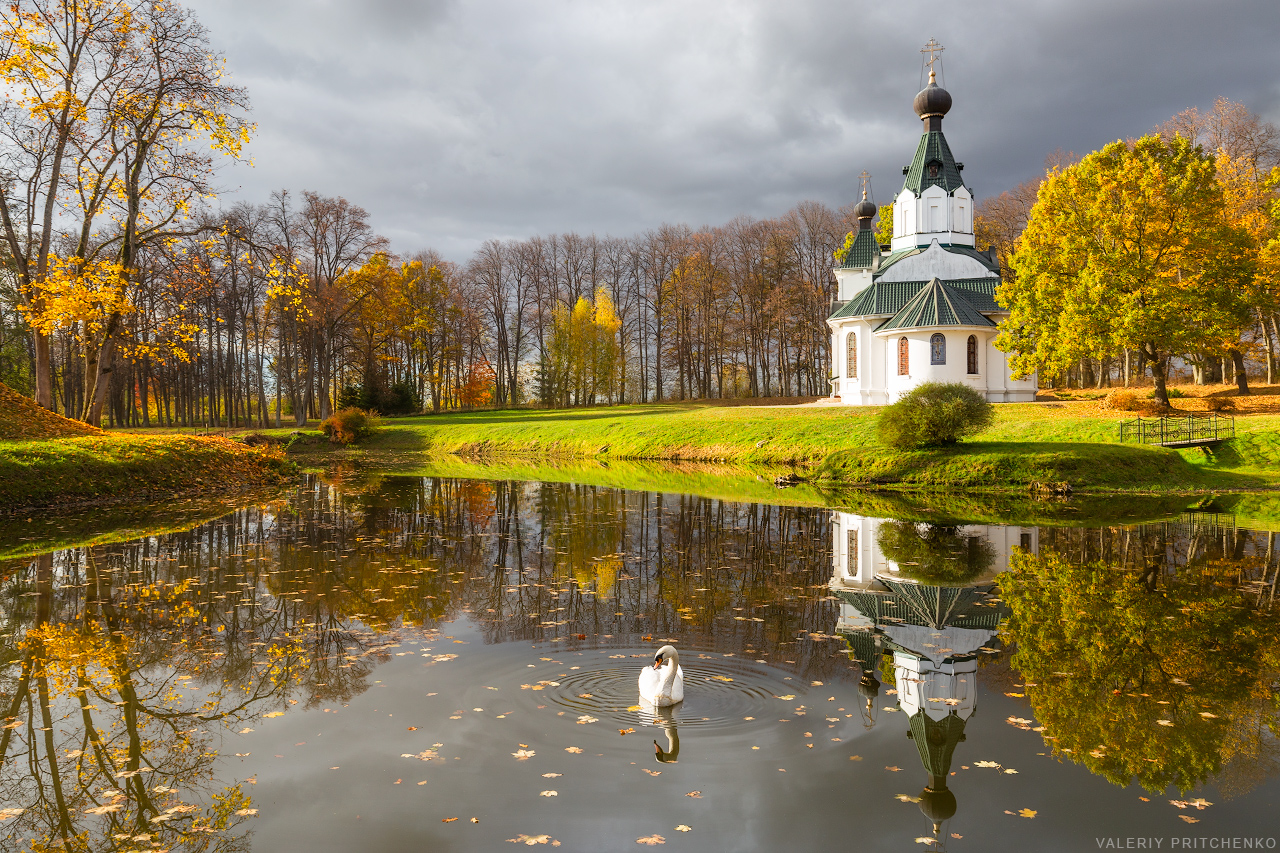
{"x":1029,"y":443}
{"x":121,"y":467}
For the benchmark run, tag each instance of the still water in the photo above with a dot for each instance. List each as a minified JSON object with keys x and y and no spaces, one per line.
{"x":397,"y":663}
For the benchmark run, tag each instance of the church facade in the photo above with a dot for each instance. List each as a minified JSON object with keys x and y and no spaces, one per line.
{"x":923,"y":308}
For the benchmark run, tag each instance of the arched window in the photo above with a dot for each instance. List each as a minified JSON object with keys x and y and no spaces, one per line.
{"x":904,"y":365}
{"x":851,"y":358}
{"x":938,"y":349}
{"x":973,"y":355}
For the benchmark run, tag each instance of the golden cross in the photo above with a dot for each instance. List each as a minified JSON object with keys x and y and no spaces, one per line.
{"x":865,"y":180}
{"x":934,"y":51}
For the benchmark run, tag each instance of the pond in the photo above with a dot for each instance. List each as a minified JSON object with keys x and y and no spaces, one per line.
{"x":385,"y":663}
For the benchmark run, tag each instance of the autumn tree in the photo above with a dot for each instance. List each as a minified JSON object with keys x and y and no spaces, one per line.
{"x":1129,"y":249}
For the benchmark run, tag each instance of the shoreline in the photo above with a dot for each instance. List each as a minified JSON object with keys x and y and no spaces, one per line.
{"x":116,"y":468}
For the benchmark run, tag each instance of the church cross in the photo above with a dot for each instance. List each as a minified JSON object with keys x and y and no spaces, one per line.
{"x":865,"y":180}
{"x":934,"y":52}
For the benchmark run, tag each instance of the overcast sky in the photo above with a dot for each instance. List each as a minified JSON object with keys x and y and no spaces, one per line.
{"x":456,"y":122}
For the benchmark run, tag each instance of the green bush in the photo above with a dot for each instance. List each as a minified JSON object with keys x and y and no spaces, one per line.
{"x":350,"y":425}
{"x":933,"y":415}
{"x":1171,"y":393}
{"x":934,"y":554}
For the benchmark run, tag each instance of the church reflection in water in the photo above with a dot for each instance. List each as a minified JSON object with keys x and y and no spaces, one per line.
{"x":918,"y":609}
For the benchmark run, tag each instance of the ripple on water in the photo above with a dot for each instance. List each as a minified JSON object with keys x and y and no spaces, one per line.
{"x":717,"y":695}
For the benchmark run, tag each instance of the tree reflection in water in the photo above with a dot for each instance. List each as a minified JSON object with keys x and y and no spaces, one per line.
{"x":121,"y":662}
{"x":1150,"y":654}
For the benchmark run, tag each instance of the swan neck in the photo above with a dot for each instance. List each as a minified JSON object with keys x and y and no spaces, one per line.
{"x":670,"y":677}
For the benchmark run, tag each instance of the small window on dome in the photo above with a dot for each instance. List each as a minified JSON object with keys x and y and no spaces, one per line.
{"x":933,"y":170}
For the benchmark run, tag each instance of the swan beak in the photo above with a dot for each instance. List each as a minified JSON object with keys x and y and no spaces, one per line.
{"x":657,"y":664}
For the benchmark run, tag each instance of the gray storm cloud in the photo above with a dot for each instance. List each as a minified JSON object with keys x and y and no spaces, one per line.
{"x":453,"y":123}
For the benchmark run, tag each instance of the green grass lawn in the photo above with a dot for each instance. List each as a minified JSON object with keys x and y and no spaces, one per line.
{"x":119,"y":466}
{"x":1028,"y":443}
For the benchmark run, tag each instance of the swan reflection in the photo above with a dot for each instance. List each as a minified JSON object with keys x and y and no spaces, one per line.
{"x":665,"y":717}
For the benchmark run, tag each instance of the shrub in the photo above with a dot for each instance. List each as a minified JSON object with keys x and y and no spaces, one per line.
{"x":350,"y":425}
{"x":1171,"y":393}
{"x":935,"y":554}
{"x":1122,"y":400}
{"x":934,"y":414}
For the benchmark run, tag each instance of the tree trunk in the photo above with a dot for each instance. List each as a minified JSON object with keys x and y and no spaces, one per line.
{"x":1157,"y":374}
{"x":1242,"y":376}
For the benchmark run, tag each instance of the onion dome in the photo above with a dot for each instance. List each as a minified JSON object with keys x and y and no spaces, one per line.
{"x":869,"y":686}
{"x":865,"y":209}
{"x":937,"y":803}
{"x":933,"y":100}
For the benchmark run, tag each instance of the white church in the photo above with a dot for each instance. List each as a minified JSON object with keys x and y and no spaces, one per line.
{"x":923,"y":308}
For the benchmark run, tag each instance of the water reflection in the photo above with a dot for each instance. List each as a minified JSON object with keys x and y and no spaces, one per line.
{"x":1145,"y":653}
{"x":920,"y":598}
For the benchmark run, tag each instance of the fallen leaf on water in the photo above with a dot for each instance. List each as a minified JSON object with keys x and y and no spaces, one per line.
{"x":1027,"y":812}
{"x":1144,"y":799}
{"x":447,"y":819}
{"x":697,"y":795}
{"x":890,"y":710}
{"x":550,"y":775}
{"x":626,"y":731}
{"x":586,"y":695}
{"x":1010,"y":770}
{"x":986,"y":764}
{"x":684,"y":828}
{"x":476,"y":819}
{"x":114,"y":807}
{"x":397,"y":782}
{"x":855,"y":757}
{"x":425,"y":755}
{"x":246,"y":812}
{"x":788,"y":697}
{"x":1189,"y":819}
{"x":721,"y":678}
{"x":549,"y":794}
{"x":651,"y":840}
{"x":892,"y":768}
{"x":412,"y":728}
{"x":523,"y":754}
{"x":585,"y":719}
{"x":574,"y":749}
{"x":1015,"y":695}
{"x":906,"y":798}
{"x":244,"y":731}
{"x":925,"y":839}
{"x":956,"y":835}
{"x":534,"y":839}
{"x":652,"y":772}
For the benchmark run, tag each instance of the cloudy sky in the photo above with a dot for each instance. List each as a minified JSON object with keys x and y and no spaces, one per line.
{"x":456,"y":122}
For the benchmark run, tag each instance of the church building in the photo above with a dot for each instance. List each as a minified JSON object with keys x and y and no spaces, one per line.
{"x":923,"y":308}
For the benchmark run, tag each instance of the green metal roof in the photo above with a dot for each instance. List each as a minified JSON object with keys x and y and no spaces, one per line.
{"x":933,"y":148}
{"x":886,"y":298}
{"x":936,"y":305}
{"x":893,"y":257}
{"x":863,"y":251}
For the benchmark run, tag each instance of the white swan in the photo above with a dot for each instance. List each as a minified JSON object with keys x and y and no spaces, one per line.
{"x":663,"y":684}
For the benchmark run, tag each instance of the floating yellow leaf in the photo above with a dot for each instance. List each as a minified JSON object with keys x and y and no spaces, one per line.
{"x":549,"y":794}
{"x":721,"y":678}
{"x":697,"y":795}
{"x":523,"y":754}
{"x":906,"y":798}
{"x":1027,"y":812}
{"x":574,"y":749}
{"x":626,"y":731}
{"x":651,"y":840}
{"x":684,"y":828}
{"x":274,"y":714}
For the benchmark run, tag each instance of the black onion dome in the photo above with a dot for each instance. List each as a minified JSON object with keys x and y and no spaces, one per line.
{"x":932,"y":100}
{"x":865,"y":209}
{"x":938,"y":804}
